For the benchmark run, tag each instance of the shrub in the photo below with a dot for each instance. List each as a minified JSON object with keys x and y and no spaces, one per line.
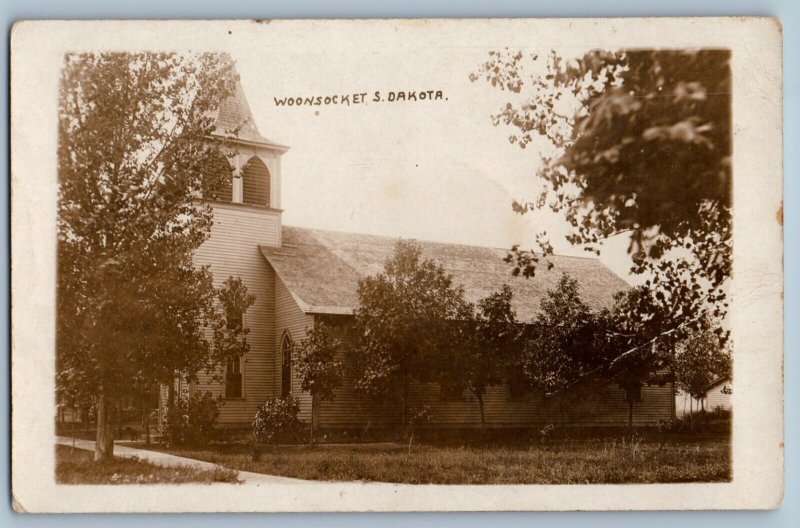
{"x":546,"y":432}
{"x":665,"y":425}
{"x":276,"y":421}
{"x":420,"y":417}
{"x":191,"y":421}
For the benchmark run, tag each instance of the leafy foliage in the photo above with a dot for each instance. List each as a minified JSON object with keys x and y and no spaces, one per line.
{"x":405,"y":324}
{"x":489,"y":341}
{"x":700,"y":360}
{"x":642,"y":138}
{"x":276,"y":421}
{"x":565,"y":342}
{"x":133,"y":153}
{"x":316,"y":364}
{"x":191,"y":421}
{"x":635,"y":142}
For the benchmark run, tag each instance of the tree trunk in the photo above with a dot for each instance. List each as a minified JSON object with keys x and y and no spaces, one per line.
{"x":104,"y":444}
{"x":630,"y":413}
{"x":404,"y":405}
{"x":146,"y":419}
{"x":483,"y":414}
{"x":314,"y":416}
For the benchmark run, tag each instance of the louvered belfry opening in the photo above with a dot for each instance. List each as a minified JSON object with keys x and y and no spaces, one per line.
{"x":217,"y":184}
{"x":255,"y":183}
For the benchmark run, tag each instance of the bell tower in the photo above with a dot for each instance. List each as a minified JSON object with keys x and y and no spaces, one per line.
{"x":246,"y":215}
{"x":255,"y":183}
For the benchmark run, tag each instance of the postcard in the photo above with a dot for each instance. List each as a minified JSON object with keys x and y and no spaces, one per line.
{"x":397,"y":265}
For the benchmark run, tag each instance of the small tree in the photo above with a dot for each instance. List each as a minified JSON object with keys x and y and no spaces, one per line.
{"x":319,"y":370}
{"x":405,"y":325}
{"x":700,"y":360}
{"x":488,"y":341}
{"x":562,"y":346}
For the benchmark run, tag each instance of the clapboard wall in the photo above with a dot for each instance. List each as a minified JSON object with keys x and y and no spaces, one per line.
{"x":232,"y":250}
{"x":292,"y":321}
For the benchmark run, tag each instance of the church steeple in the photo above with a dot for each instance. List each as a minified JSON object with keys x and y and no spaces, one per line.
{"x":234,"y":121}
{"x":255,"y":159}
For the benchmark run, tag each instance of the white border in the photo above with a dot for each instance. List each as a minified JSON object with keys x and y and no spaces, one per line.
{"x":37,"y":51}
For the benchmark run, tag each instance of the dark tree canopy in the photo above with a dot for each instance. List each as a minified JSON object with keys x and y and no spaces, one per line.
{"x":564,"y":342}
{"x":405,"y":323}
{"x":489,"y":339}
{"x":318,"y":362}
{"x":643,"y":137}
{"x":634,"y":142}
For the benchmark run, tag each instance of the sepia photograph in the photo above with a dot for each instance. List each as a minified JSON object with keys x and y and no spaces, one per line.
{"x":310,"y":259}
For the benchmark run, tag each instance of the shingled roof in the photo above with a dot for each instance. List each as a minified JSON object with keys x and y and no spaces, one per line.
{"x":234,"y":117}
{"x":321,"y":270}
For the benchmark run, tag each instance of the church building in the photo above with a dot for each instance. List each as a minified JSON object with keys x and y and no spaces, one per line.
{"x":300,"y":276}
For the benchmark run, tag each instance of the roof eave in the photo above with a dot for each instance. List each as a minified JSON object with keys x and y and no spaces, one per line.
{"x":251,"y":142}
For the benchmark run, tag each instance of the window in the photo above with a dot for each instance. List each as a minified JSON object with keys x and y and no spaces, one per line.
{"x":286,"y":366}
{"x":234,"y":320}
{"x":633,"y":393}
{"x":255,"y":183}
{"x":233,"y":378}
{"x":217,"y":184}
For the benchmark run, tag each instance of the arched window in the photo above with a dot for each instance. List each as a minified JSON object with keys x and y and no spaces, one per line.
{"x":255,"y":183}
{"x":286,"y":365}
{"x":217,"y":182}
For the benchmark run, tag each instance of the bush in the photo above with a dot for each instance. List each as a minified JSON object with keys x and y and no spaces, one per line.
{"x":191,"y":422}
{"x":276,"y":421}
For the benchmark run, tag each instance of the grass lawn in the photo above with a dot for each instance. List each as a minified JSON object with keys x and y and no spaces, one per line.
{"x":561,"y":461}
{"x":77,"y":466}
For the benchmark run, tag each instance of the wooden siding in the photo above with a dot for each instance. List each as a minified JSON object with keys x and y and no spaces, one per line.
{"x":351,"y":408}
{"x":685,"y":404}
{"x":232,"y":250}
{"x":289,"y":318}
{"x":716,"y":398}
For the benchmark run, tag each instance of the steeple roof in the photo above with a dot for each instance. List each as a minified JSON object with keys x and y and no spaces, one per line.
{"x":235,"y":118}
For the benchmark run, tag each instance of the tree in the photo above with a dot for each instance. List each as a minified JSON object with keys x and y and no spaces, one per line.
{"x":635,"y":142}
{"x":489,"y":340}
{"x":133,"y":153}
{"x":564,"y":342}
{"x":405,"y":325}
{"x":319,"y":370}
{"x":700,"y":360}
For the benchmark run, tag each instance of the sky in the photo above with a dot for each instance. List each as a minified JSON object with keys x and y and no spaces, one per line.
{"x":432,"y":170}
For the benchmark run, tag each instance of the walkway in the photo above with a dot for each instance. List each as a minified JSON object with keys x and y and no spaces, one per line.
{"x":165,"y":459}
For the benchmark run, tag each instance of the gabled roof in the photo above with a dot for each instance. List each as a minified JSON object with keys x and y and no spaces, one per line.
{"x":234,"y":117}
{"x":321,"y":269}
{"x":719,"y":381}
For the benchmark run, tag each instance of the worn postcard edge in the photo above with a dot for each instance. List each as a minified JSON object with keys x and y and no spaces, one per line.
{"x":757,"y":290}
